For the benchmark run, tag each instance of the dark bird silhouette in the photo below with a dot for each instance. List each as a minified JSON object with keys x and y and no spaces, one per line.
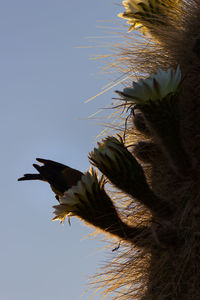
{"x":59,"y":176}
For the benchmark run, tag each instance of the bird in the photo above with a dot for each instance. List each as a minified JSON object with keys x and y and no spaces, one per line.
{"x":59,"y":176}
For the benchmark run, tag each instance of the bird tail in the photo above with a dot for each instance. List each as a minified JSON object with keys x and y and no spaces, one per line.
{"x":30,"y":177}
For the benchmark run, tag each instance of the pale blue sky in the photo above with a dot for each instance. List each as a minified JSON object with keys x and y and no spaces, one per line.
{"x":44,"y":81}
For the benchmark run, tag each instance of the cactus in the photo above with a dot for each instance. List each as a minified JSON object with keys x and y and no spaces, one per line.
{"x":156,"y":218}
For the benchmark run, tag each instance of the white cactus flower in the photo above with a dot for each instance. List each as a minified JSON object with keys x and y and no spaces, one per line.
{"x":105,"y":148}
{"x":111,"y":156}
{"x":156,"y":87}
{"x":75,"y":198}
{"x":107,"y":153}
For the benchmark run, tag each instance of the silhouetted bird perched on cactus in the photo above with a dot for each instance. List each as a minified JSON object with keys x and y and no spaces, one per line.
{"x":59,"y":176}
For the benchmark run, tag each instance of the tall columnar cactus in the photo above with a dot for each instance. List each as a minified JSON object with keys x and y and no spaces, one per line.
{"x":156,"y":166}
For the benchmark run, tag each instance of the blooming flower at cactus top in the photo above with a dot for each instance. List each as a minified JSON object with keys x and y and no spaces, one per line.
{"x":114,"y":160}
{"x":156,"y":87}
{"x":76,"y":200}
{"x":137,"y":12}
{"x":104,"y":146}
{"x":106,"y":152}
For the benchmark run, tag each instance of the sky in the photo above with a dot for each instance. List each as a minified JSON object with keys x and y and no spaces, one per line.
{"x":45,"y":79}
